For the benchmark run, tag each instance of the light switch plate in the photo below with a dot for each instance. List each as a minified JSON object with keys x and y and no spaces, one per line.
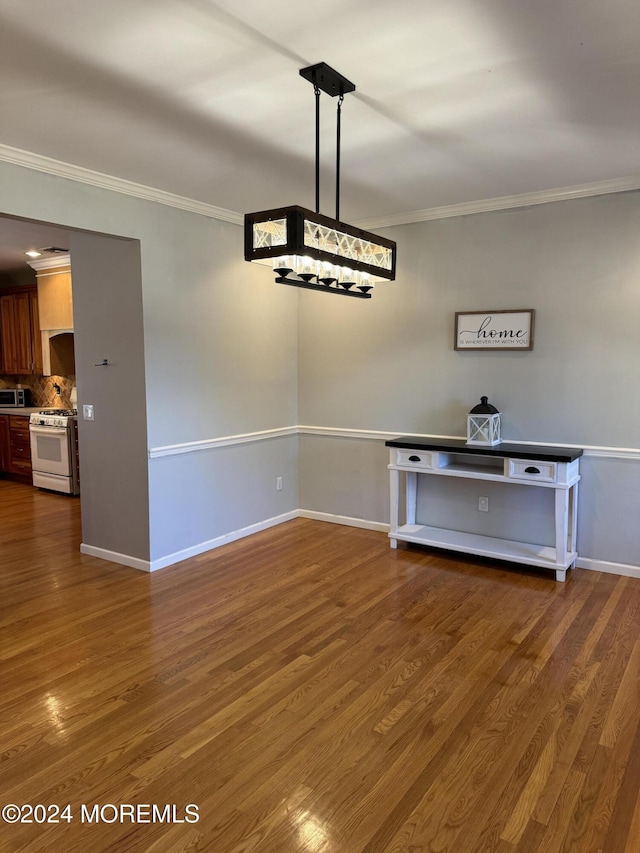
{"x":87,"y":411}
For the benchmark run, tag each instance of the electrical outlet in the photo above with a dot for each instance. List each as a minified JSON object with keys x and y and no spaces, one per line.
{"x":483,"y":504}
{"x":278,"y":484}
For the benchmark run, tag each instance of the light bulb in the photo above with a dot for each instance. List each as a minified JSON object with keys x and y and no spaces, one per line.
{"x":307,"y":268}
{"x":347,"y":277}
{"x":328,"y":273}
{"x":283,"y":265}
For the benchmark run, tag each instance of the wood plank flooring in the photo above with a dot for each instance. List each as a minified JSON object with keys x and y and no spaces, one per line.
{"x":311,"y":690}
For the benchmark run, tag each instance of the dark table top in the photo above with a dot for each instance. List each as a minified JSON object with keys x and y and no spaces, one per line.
{"x":513,"y":451}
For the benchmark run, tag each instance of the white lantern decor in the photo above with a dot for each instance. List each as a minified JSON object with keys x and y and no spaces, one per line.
{"x":483,"y":424}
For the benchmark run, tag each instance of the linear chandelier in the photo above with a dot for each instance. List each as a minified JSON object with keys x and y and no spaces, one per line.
{"x":310,"y":250}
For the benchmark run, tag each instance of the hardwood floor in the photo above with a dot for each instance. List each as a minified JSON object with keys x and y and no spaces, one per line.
{"x":309,"y":689}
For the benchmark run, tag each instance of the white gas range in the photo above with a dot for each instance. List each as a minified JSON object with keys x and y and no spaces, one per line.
{"x":54,"y":450}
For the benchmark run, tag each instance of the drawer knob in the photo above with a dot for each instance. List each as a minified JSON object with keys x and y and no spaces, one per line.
{"x":531,"y":470}
{"x":414,"y":459}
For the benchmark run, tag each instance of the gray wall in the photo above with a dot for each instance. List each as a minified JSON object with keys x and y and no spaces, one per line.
{"x":224,"y":352}
{"x":107,"y":308}
{"x":217,"y":346}
{"x":235,"y":488}
{"x":347,"y":477}
{"x":389,"y":364}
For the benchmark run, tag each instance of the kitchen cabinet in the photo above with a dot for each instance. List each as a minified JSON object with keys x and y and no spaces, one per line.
{"x":22,"y":318}
{"x":21,"y":344}
{"x":8,"y":325}
{"x":19,"y":446}
{"x":15,"y":446}
{"x":5,"y":447}
{"x":36,"y":336}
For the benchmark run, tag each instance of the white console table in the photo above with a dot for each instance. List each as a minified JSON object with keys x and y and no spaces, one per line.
{"x":556,"y":468}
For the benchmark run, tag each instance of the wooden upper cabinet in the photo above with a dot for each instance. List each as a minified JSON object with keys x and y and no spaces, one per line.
{"x":24,"y":356}
{"x":21,"y":339}
{"x":9,"y":348}
{"x":36,"y":336}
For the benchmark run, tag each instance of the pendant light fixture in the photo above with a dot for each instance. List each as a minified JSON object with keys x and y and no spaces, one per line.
{"x":310,"y":250}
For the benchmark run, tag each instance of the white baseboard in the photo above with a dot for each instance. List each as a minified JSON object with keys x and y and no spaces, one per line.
{"x":582,"y":562}
{"x":608,"y":568}
{"x":186,"y":553}
{"x":115,"y":557}
{"x":178,"y":556}
{"x":209,"y":545}
{"x":345,"y":520}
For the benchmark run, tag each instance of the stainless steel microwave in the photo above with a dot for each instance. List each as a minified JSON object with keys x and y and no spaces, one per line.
{"x":14,"y":397}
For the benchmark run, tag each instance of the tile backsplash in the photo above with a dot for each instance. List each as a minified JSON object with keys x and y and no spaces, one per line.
{"x":42,"y":391}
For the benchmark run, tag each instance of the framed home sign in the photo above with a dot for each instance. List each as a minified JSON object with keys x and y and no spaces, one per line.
{"x":494,"y":330}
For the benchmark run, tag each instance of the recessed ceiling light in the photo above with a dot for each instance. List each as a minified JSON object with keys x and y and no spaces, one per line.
{"x":33,"y":254}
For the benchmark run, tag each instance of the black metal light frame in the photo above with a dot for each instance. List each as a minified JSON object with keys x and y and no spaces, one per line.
{"x":296,"y":218}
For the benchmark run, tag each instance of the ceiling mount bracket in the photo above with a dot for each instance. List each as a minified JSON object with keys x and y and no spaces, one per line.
{"x":327,"y":79}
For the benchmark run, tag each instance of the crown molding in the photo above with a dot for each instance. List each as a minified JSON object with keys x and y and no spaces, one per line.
{"x":466,"y":208}
{"x":40,"y":163}
{"x":53,"y":262}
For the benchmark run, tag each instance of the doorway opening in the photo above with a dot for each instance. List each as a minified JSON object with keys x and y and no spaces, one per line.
{"x":105,"y":292}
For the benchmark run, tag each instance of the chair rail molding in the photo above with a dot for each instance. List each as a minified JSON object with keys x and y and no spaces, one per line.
{"x":601,"y":452}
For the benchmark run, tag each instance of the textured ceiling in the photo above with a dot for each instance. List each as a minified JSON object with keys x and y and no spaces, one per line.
{"x":456,"y":101}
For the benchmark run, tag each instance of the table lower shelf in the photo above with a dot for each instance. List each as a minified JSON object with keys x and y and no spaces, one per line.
{"x":541,"y":556}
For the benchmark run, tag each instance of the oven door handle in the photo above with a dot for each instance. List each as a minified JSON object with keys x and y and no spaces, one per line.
{"x":36,"y":429}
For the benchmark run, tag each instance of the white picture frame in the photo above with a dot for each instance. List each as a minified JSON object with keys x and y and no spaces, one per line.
{"x":501,"y":330}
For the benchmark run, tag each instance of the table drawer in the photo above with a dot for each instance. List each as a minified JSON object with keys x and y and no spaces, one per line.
{"x":413,"y":458}
{"x":532,"y":469}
